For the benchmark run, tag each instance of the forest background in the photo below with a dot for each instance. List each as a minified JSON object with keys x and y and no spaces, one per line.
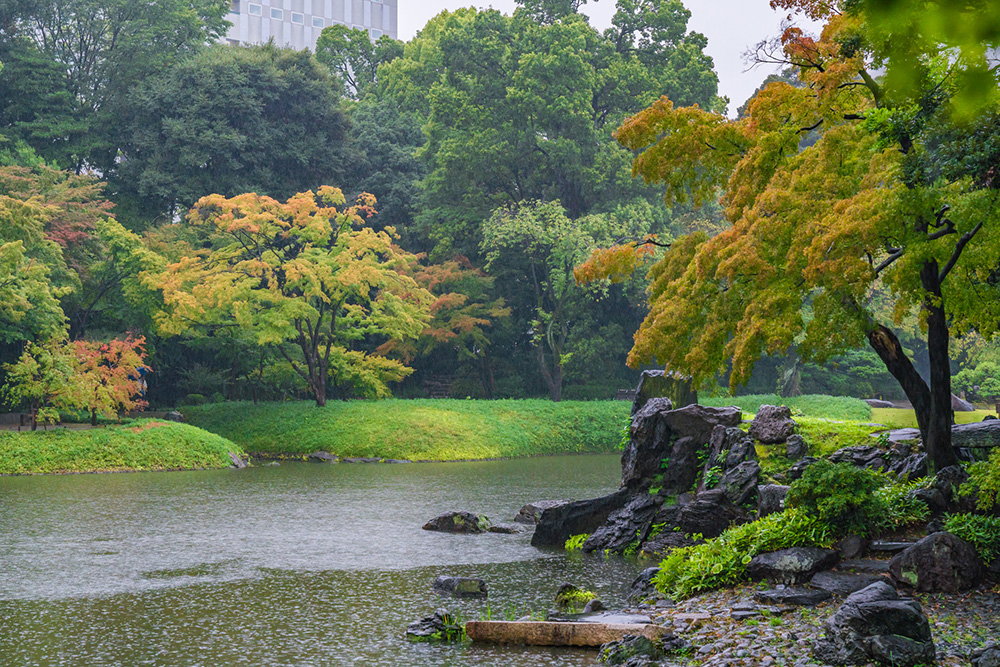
{"x":487,"y":145}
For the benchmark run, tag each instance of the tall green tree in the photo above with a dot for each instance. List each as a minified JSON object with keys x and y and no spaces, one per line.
{"x":229,"y":120}
{"x":353,"y":58}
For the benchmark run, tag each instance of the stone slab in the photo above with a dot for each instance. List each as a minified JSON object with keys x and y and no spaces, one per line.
{"x":546,"y":633}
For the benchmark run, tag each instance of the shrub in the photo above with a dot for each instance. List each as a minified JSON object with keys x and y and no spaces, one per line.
{"x":194,"y":399}
{"x":839,"y":495}
{"x":575,"y":542}
{"x":722,"y":561}
{"x":985,"y":476}
{"x":982,"y":532}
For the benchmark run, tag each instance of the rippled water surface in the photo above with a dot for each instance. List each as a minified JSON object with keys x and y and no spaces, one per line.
{"x":293,"y":565}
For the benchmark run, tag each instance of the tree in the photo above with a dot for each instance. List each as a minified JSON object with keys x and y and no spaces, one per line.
{"x":104,"y":49}
{"x":304,"y":276}
{"x":876,"y":201}
{"x":520,"y":108}
{"x":353,"y":59}
{"x":41,"y":378}
{"x":108,"y":377}
{"x":229,"y":120}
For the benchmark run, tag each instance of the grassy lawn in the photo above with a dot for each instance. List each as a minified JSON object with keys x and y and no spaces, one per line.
{"x":435,"y":430}
{"x":829,"y":407}
{"x":146,"y":444}
{"x":896,"y":418}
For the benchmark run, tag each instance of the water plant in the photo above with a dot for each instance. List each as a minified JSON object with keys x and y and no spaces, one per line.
{"x":575,"y":542}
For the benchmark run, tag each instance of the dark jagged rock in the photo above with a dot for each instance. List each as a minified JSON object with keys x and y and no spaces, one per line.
{"x":795,"y":447}
{"x":910,"y":467}
{"x":460,"y":587}
{"x":852,"y":546}
{"x":530,"y":513}
{"x":949,"y":482}
{"x":933,"y":498}
{"x":795,"y":472}
{"x":793,"y":596}
{"x":939,"y":563}
{"x":557,"y":524}
{"x":843,"y":584}
{"x":237,"y":462}
{"x":682,"y":468}
{"x":439,"y":627}
{"x":322,"y":457}
{"x":642,"y":588}
{"x":698,"y":421}
{"x":458,"y":522}
{"x":709,"y":514}
{"x":664,"y":543}
{"x":649,"y":442}
{"x":773,"y":424}
{"x":986,"y":656}
{"x":771,"y":499}
{"x":984,"y":434}
{"x":507,"y":528}
{"x":791,"y":566}
{"x":862,"y":456}
{"x":639,"y":651}
{"x":728,"y":447}
{"x":873,"y":624}
{"x":174,"y":416}
{"x":658,"y":384}
{"x":740,"y":483}
{"x":626,"y":526}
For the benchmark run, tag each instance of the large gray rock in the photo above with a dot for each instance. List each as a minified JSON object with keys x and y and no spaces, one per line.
{"x":460,"y":587}
{"x":625,"y":527}
{"x":681,"y":470}
{"x":771,"y":499}
{"x":458,"y":522}
{"x":961,"y":405}
{"x":843,"y":584}
{"x":659,"y":384}
{"x":874,"y":625}
{"x":728,"y":447}
{"x":799,"y":467}
{"x":557,"y":524}
{"x":984,"y":434}
{"x":698,"y":421}
{"x":709,"y":514}
{"x":772,"y":424}
{"x":643,"y":589}
{"x":649,"y":443}
{"x":986,"y":656}
{"x":878,"y":403}
{"x":795,"y":447}
{"x":791,"y":566}
{"x":530,"y":513}
{"x":639,"y":651}
{"x":939,"y":563}
{"x":740,"y":483}
{"x":862,"y":456}
{"x":794,"y":596}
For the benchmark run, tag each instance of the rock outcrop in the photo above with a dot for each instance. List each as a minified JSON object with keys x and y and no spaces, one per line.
{"x":773,"y":424}
{"x":557,"y":524}
{"x":939,"y":563}
{"x":875,"y":625}
{"x":660,"y":384}
{"x":791,"y":566}
{"x":460,"y":587}
{"x":530,"y":513}
{"x":626,"y":526}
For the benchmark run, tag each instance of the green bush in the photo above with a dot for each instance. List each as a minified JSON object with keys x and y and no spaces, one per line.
{"x":194,"y":399}
{"x":723,"y":561}
{"x":839,"y":495}
{"x":985,"y":477}
{"x":575,"y":542}
{"x":982,"y":532}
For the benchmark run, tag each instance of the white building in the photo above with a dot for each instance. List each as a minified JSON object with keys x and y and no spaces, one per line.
{"x":298,"y":23}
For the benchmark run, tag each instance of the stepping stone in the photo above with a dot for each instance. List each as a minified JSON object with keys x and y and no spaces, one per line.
{"x":866,"y":565}
{"x":798,"y":597}
{"x":842,"y":584}
{"x":886,"y":547}
{"x":542,"y":633}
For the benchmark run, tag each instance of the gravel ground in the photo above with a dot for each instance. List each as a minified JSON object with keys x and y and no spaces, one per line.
{"x":959,"y":623}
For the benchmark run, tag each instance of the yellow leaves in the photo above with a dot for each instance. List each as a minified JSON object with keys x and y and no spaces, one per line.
{"x":616,"y":263}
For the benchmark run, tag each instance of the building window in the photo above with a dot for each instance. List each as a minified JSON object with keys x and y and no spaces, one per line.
{"x":298,"y":18}
{"x":276,"y":14}
{"x":254,"y":10}
{"x":317,"y":21}
{"x":233,"y":42}
{"x":376,"y":34}
{"x":234,"y":7}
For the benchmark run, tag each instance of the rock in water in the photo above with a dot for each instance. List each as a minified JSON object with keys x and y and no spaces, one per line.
{"x":460,"y":587}
{"x":791,"y":566}
{"x":439,"y":627}
{"x":875,"y":625}
{"x":458,"y":522}
{"x":558,"y":524}
{"x":571,"y":599}
{"x":939,"y":563}
{"x":625,"y":527}
{"x":773,"y":424}
{"x":530,"y":513}
{"x":237,"y":462}
{"x":639,"y":650}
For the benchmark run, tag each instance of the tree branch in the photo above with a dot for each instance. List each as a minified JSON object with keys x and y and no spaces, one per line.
{"x":959,"y":247}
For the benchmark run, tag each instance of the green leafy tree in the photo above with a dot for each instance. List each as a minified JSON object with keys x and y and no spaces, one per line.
{"x":41,"y":379}
{"x":895,"y":194}
{"x":252,"y":119}
{"x":353,"y":59}
{"x":305,"y":276}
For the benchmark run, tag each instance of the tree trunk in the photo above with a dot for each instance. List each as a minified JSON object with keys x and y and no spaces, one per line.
{"x":553,"y":378}
{"x":93,"y":417}
{"x":937,"y":438}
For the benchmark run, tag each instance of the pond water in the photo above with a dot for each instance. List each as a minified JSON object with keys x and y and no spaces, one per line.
{"x":302,"y":564}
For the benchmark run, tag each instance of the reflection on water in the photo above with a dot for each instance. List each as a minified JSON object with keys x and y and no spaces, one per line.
{"x":293,"y":565}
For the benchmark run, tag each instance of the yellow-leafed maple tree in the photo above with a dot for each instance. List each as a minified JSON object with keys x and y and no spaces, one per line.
{"x":896,"y":193}
{"x":306,"y":276}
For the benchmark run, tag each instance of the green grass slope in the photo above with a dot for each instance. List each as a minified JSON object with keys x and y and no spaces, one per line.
{"x":812,"y":405}
{"x":143,"y":445}
{"x":436,"y":430}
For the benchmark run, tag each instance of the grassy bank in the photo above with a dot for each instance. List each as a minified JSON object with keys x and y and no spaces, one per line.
{"x":813,"y":405}
{"x":436,"y":430}
{"x":146,"y":444}
{"x":897,"y":418}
